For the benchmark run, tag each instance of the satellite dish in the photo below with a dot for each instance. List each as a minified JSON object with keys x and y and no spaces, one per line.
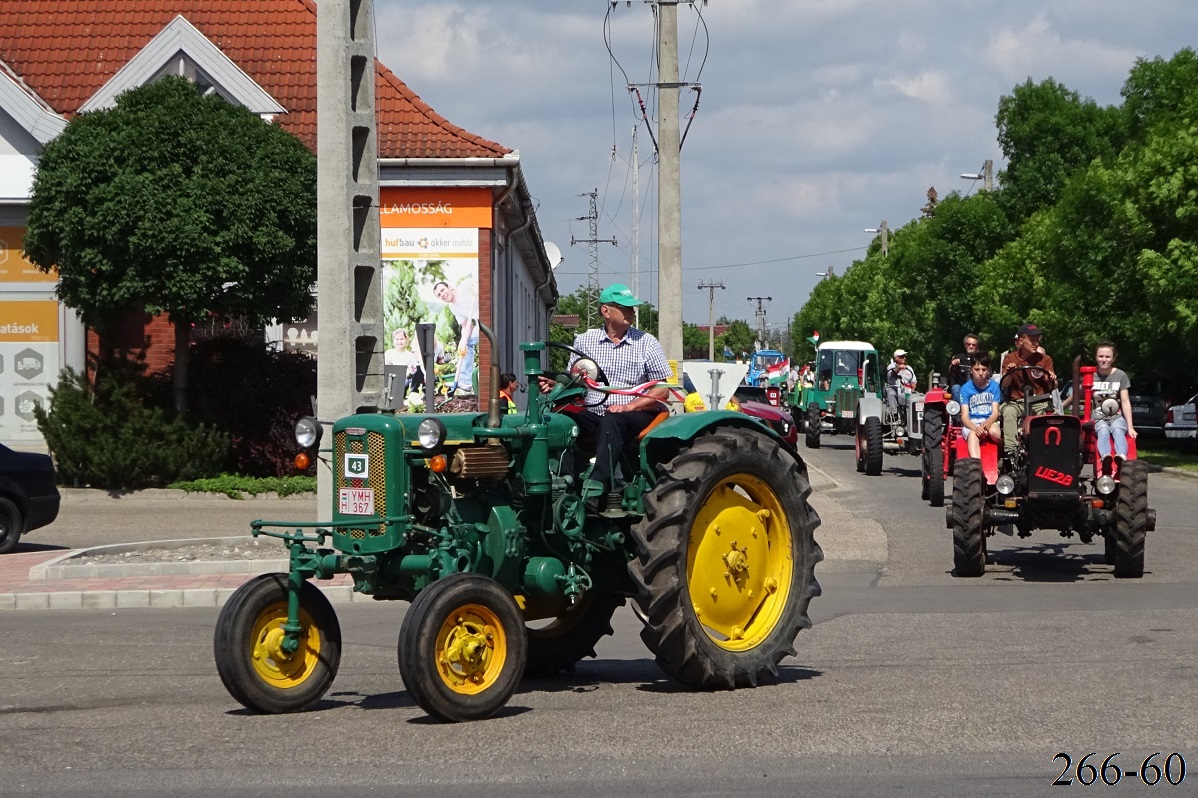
{"x":553,"y":253}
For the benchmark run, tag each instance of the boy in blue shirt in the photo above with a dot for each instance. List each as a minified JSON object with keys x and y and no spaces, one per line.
{"x":980,"y":401}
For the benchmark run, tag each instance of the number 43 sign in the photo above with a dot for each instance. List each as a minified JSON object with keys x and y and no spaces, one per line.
{"x":357,"y":466}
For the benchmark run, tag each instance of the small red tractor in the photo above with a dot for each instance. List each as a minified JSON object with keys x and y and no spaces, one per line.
{"x":1042,"y":485}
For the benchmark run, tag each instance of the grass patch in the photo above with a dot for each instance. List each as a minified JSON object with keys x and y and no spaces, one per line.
{"x":235,"y":486}
{"x":1167,"y":456}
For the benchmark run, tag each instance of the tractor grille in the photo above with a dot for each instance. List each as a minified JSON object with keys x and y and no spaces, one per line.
{"x":480,"y":462}
{"x":376,"y":479}
{"x":846,"y":402}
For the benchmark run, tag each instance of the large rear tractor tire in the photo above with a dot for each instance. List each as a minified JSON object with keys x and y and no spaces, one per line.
{"x":252,"y":659}
{"x":1131,"y":520}
{"x":725,"y":566}
{"x":564,"y":641}
{"x":462,"y":648}
{"x":871,"y":444}
{"x":932,"y":462}
{"x":969,"y":509}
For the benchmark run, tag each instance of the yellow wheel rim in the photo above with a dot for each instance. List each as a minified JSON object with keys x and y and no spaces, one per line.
{"x":471,"y":649}
{"x":274,"y":665}
{"x":739,"y":562}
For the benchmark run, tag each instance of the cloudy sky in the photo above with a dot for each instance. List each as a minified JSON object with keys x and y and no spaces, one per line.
{"x":818,"y":118}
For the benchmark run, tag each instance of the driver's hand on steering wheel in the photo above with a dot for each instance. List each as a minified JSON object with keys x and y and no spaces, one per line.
{"x":545,"y":384}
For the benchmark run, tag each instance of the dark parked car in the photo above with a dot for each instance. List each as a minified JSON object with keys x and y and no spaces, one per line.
{"x":28,"y":495}
{"x":1150,"y":400}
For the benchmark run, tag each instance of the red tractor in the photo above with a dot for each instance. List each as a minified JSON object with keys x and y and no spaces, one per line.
{"x":1042,"y":486}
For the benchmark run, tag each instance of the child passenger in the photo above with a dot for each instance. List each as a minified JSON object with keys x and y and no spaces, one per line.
{"x":1111,"y":410}
{"x":980,"y":401}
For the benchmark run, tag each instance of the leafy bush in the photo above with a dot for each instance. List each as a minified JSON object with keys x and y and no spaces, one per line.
{"x":255,"y":395}
{"x":235,"y":486}
{"x":107,"y":437}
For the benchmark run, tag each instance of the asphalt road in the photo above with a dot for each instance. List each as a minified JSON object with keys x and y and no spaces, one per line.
{"x":912,"y":682}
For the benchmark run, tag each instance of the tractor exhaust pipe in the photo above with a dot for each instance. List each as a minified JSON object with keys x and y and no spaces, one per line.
{"x":493,"y":417}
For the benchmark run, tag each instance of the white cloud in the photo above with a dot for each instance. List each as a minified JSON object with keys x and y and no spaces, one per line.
{"x":1038,"y":49}
{"x":930,"y":86}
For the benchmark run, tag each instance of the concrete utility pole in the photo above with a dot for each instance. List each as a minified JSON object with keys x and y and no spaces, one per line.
{"x":636,"y":226}
{"x":711,"y":287}
{"x":593,"y":250}
{"x":760,"y":315}
{"x":349,"y":370}
{"x":669,"y":189}
{"x":883,"y":231}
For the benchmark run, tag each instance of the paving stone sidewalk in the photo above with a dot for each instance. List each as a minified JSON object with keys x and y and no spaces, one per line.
{"x":20,"y":591}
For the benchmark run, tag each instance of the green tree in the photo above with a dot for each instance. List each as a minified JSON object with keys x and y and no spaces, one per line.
{"x":1159,"y":91}
{"x":179,"y":203}
{"x":694,"y":341}
{"x":738,"y":338}
{"x":1048,"y":132}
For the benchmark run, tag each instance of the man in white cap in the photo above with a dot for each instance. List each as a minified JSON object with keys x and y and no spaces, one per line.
{"x":628,"y":357}
{"x":900,"y":380}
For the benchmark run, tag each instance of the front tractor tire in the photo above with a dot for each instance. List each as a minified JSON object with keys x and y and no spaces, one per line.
{"x":969,"y":514}
{"x":725,"y":566}
{"x":252,"y":659}
{"x":462,"y":648}
{"x":811,"y":427}
{"x":1131,"y":521}
{"x":932,"y":464}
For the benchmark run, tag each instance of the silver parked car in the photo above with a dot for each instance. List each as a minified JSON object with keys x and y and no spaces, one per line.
{"x":1181,"y":426}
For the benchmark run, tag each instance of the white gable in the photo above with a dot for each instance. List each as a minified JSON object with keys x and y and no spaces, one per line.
{"x":35,"y":116}
{"x":180,"y":49}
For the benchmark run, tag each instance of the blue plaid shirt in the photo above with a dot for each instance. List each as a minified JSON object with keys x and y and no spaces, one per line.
{"x":637,"y":358}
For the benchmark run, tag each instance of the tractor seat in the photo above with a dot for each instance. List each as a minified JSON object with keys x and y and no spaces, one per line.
{"x":662,"y":416}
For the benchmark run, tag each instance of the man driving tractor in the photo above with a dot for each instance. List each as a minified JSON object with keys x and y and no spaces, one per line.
{"x":1036,"y":372}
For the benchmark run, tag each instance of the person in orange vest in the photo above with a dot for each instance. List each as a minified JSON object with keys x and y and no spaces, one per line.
{"x":507,"y":390}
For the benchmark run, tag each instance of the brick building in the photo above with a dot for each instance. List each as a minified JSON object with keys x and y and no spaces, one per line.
{"x":62,"y":57}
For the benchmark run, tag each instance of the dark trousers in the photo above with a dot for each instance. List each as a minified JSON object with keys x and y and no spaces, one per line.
{"x":612,"y":431}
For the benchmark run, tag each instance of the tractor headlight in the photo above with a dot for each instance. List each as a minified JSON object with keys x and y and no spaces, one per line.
{"x":430,"y":433}
{"x":1005,"y":485}
{"x":1106,"y":486}
{"x":953,"y":408}
{"x":899,"y":431}
{"x":307,"y":432}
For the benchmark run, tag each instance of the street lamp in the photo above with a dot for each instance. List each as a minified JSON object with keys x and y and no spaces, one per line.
{"x":883,"y":231}
{"x":986,"y":175}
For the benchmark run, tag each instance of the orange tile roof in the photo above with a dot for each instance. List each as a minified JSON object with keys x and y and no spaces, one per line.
{"x":66,"y":50}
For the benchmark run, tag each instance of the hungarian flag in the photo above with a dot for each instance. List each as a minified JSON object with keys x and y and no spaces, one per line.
{"x":777,"y":373}
{"x":814,"y":338}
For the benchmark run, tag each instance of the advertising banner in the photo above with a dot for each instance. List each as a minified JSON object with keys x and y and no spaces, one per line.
{"x":430,"y":243}
{"x":29,"y":364}
{"x":13,"y":266}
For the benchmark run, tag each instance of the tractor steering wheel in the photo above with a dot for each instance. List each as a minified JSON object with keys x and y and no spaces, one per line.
{"x":571,"y":379}
{"x":1030,"y":373}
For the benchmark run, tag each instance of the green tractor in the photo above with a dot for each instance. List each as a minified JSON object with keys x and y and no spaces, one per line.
{"x":477,"y":520}
{"x":827,"y":400}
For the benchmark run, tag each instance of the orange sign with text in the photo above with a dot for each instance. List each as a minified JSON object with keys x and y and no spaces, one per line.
{"x":28,"y":321}
{"x":402,"y":207}
{"x":13,"y":266}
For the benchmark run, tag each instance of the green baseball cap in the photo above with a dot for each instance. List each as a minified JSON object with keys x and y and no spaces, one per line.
{"x":618,"y":294}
